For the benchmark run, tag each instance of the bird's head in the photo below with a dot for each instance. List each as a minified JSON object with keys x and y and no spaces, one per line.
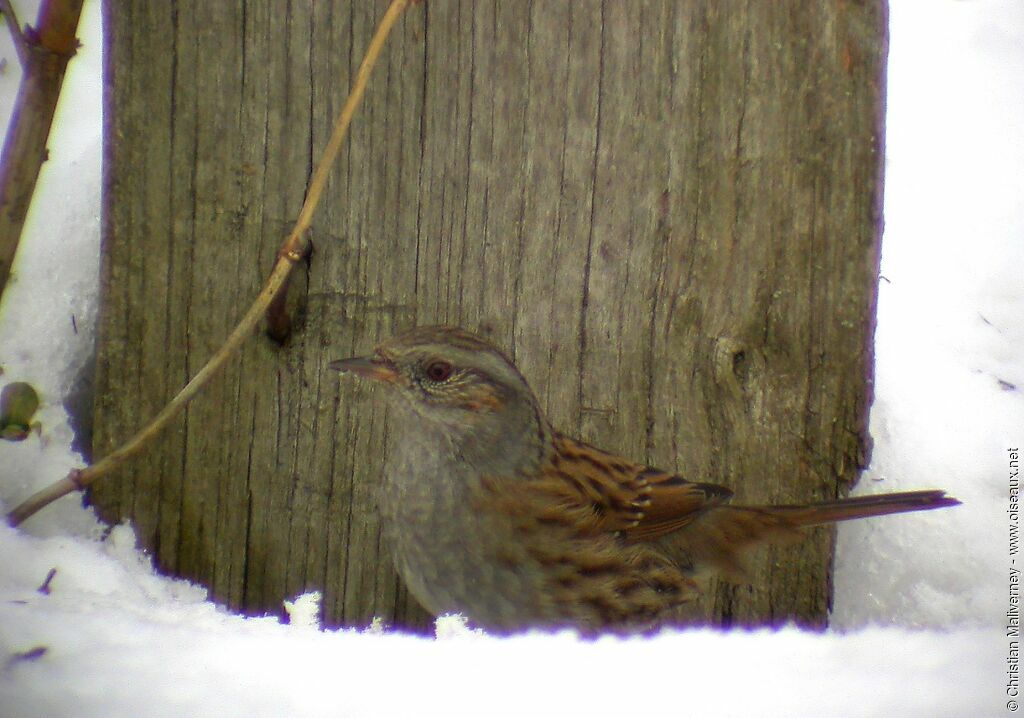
{"x":449,"y":376}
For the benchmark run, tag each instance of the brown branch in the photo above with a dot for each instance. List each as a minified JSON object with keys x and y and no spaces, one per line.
{"x":47,"y":51}
{"x":292,"y":251}
{"x":20,"y":45}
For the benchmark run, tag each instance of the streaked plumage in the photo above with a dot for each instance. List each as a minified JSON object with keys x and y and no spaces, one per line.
{"x":493,"y":514}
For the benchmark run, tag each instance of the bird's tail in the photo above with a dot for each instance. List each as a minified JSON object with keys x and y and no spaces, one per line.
{"x":720,"y":538}
{"x":862,"y":507}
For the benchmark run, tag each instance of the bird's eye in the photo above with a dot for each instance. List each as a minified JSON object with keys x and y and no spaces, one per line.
{"x":439,"y":370}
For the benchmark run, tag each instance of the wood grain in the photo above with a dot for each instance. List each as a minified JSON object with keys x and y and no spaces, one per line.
{"x":667,"y":212}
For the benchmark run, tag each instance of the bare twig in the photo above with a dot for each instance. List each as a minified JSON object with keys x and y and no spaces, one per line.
{"x":47,"y":50}
{"x":292,"y":251}
{"x":45,"y":587}
{"x":20,"y":46}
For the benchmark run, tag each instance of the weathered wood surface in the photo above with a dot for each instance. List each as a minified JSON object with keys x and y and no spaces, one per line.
{"x":668,"y":212}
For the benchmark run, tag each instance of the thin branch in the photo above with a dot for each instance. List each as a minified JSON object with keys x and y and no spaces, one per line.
{"x":47,"y":50}
{"x":291,"y":252}
{"x":319,"y":180}
{"x":20,"y":45}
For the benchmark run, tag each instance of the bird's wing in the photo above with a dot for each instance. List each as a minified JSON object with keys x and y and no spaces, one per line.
{"x":639,"y":501}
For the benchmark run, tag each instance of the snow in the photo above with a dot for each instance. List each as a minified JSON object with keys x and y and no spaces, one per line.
{"x":919,"y":624}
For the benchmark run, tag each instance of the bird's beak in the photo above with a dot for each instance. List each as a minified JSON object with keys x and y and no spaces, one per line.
{"x":376,"y":368}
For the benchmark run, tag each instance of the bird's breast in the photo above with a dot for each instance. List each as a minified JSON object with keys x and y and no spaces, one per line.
{"x":446,"y":545}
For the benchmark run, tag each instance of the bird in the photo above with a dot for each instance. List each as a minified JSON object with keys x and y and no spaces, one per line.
{"x":493,"y":514}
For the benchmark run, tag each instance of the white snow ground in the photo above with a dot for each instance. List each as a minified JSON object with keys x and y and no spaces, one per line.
{"x":919,"y":627}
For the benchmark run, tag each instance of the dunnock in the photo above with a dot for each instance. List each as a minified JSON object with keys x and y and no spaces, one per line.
{"x":493,"y":514}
